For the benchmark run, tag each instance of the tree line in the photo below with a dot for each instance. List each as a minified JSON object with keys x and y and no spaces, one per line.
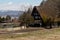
{"x":2,"y":19}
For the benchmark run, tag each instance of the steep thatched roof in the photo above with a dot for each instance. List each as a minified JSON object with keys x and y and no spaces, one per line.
{"x":43,"y":13}
{"x":49,"y":9}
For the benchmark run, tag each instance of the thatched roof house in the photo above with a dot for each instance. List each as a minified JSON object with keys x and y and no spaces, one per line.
{"x":48,"y":9}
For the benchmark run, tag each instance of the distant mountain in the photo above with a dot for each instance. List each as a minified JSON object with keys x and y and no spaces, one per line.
{"x":11,"y":13}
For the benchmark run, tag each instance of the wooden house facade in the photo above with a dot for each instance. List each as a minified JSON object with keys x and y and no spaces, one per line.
{"x":37,"y":17}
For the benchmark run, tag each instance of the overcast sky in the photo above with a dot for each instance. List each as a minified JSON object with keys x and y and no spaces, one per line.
{"x":18,"y":4}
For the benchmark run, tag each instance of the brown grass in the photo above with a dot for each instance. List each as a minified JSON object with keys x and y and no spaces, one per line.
{"x":44,"y":34}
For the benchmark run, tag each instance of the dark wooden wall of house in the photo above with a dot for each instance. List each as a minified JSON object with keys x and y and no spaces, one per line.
{"x":37,"y":17}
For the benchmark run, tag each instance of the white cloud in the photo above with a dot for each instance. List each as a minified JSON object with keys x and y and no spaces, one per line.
{"x":10,"y":3}
{"x":11,"y":6}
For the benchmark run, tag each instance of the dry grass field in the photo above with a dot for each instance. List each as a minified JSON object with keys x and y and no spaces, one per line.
{"x":42,"y":34}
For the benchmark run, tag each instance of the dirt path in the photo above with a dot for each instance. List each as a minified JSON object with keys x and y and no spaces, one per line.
{"x":21,"y":31}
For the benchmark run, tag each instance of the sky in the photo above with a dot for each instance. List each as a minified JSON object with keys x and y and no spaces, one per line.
{"x":18,"y":4}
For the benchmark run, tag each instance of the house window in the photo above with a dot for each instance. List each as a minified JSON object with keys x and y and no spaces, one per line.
{"x":37,"y":17}
{"x":35,"y":14}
